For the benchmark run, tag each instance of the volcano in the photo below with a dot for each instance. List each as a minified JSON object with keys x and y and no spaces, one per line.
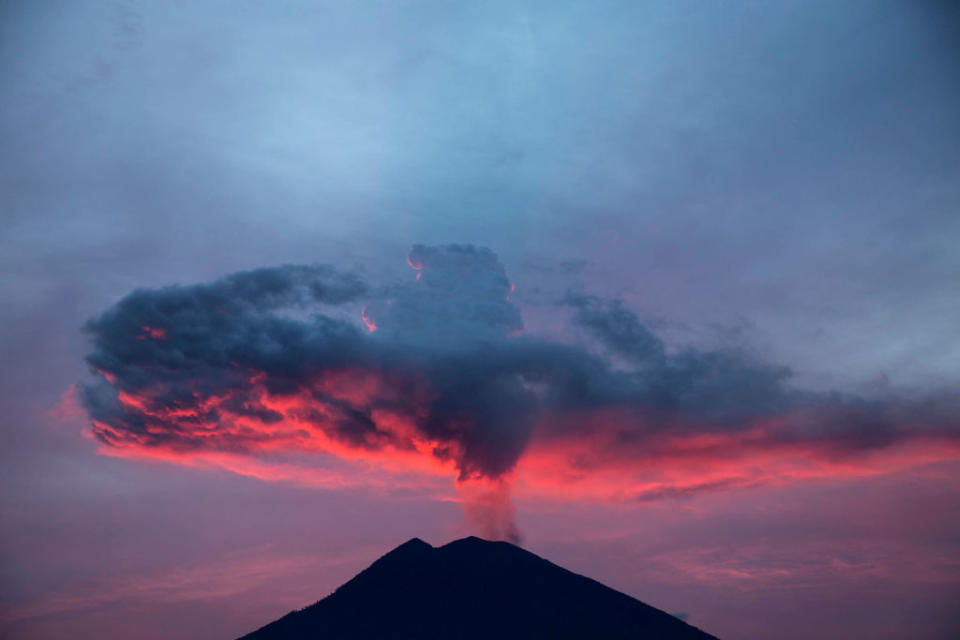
{"x":474,"y":589}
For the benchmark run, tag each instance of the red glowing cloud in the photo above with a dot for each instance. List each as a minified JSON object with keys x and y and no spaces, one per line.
{"x":68,"y":407}
{"x":367,"y":320}
{"x":299,"y":438}
{"x":441,"y":386}
{"x":605,"y":466}
{"x":153,"y":333}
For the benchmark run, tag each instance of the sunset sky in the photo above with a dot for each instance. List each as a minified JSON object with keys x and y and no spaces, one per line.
{"x":666,"y":292}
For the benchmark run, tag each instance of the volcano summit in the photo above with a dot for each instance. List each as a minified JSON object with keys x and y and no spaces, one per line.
{"x":472,"y":589}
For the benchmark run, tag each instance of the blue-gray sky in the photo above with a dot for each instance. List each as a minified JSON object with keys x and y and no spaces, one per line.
{"x":779,"y":176}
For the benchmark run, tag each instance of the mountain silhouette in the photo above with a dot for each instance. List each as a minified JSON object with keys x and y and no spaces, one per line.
{"x":472,"y":589}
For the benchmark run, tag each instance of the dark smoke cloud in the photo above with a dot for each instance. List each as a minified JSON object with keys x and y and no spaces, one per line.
{"x":461,"y":295}
{"x":215,"y":367}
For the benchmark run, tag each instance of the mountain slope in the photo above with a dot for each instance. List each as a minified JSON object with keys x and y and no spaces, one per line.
{"x":472,"y":589}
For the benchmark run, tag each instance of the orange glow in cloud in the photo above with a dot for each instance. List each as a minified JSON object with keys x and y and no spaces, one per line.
{"x":154,"y":333}
{"x":341,"y":475}
{"x":304,"y":427}
{"x":302,"y":443}
{"x":605,"y":466}
{"x":545,"y":472}
{"x":367,"y":320}
{"x":68,"y":407}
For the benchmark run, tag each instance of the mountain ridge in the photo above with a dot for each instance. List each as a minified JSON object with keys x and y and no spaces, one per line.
{"x":470,"y":589}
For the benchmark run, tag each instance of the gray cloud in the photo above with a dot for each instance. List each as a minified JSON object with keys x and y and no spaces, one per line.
{"x":202,"y":367}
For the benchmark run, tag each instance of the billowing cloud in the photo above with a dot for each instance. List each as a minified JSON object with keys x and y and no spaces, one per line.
{"x":312,"y":372}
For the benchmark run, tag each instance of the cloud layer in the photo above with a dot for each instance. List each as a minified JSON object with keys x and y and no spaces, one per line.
{"x":296,"y":370}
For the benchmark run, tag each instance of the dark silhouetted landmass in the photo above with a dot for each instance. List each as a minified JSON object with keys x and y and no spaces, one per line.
{"x":474,"y":589}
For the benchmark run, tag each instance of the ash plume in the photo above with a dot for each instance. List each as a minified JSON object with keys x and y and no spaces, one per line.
{"x":278,"y":361}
